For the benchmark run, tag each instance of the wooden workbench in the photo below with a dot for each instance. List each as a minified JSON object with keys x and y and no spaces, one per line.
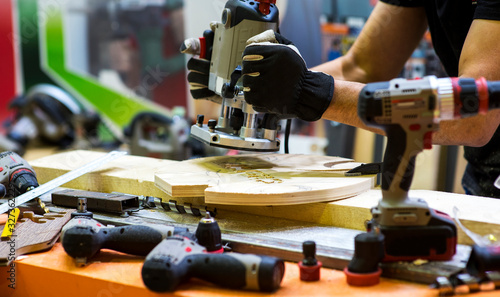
{"x":53,"y":273}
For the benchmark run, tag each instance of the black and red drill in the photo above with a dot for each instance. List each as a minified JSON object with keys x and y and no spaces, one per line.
{"x":409,"y":111}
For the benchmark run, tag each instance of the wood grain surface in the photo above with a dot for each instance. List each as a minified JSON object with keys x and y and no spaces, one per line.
{"x":127,"y":174}
{"x":33,"y":233}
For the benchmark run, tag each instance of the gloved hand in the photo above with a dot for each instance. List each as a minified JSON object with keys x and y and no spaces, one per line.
{"x":276,"y":79}
{"x":199,"y":67}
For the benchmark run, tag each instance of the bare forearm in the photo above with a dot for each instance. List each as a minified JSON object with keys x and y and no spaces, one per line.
{"x":343,"y":68}
{"x":474,"y":131}
{"x":479,"y":58}
{"x":344,"y":105}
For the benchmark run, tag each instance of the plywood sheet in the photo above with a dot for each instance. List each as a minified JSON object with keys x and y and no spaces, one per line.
{"x":263,"y":179}
{"x":127,"y":174}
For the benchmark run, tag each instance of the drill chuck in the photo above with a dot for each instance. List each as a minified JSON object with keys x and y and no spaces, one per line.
{"x":208,"y":234}
{"x":16,"y":174}
{"x":22,"y":181}
{"x":474,"y":96}
{"x":81,"y":210}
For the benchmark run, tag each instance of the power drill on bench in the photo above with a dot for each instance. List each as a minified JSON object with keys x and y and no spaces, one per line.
{"x":16,"y":176}
{"x":409,"y":111}
{"x":83,"y":237}
{"x":177,"y":258}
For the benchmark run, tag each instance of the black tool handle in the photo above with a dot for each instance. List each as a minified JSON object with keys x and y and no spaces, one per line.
{"x":82,"y":241}
{"x":399,"y":158}
{"x":268,"y":271}
{"x":398,"y":155}
{"x":135,"y":240}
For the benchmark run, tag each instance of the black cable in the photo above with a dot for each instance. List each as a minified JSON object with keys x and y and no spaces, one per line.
{"x":287,"y":134}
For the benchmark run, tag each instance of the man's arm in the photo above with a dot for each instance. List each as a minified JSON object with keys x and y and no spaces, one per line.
{"x":480,"y":57}
{"x":386,"y":42}
{"x":377,"y":62}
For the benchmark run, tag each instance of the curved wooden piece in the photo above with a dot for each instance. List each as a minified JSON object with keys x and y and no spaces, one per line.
{"x":263,"y":179}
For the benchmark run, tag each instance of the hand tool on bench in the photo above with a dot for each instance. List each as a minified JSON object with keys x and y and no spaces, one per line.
{"x":178,"y":258}
{"x":83,"y":237}
{"x":16,"y":176}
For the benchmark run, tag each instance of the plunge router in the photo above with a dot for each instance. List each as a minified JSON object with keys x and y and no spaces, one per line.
{"x":239,"y":126}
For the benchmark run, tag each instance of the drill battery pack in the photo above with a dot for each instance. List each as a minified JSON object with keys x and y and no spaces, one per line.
{"x":435,"y":241}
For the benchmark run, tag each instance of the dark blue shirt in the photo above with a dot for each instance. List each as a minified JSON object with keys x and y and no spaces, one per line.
{"x":449,"y":22}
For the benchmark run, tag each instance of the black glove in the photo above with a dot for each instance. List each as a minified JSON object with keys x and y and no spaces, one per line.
{"x":199,"y":68}
{"x":276,"y":79}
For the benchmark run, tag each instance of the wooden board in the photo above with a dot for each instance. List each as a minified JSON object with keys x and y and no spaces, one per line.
{"x":263,"y":179}
{"x":32,"y":234}
{"x":127,"y":174}
{"x":479,"y":214}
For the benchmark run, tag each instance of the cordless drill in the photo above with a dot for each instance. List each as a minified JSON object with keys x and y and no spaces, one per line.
{"x":83,"y":237}
{"x":16,"y":175}
{"x":178,"y":258}
{"x":409,"y":111}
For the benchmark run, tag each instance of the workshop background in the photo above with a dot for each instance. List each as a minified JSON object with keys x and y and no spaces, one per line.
{"x":119,"y":59}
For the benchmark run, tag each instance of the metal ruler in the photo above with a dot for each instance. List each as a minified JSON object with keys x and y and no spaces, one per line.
{"x":57,"y":182}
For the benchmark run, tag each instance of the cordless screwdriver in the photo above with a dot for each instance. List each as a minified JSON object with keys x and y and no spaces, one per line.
{"x":16,"y":175}
{"x":409,"y":111}
{"x":178,"y":258}
{"x":82,"y":237}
